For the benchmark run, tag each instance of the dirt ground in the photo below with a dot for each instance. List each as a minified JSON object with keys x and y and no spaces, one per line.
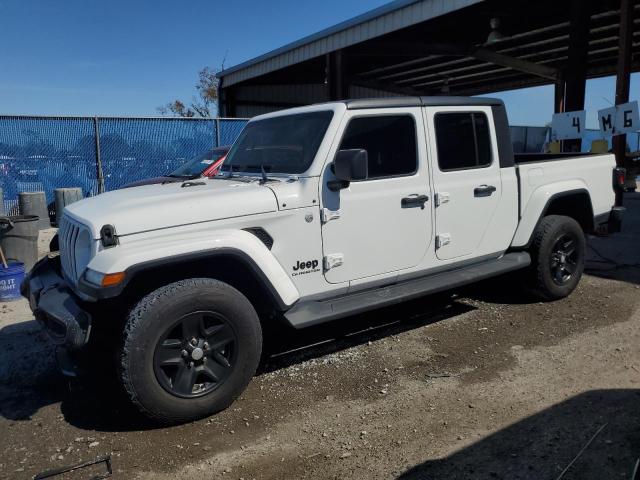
{"x":478,"y":383}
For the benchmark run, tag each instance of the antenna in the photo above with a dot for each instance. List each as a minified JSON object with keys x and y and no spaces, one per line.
{"x":264,"y":175}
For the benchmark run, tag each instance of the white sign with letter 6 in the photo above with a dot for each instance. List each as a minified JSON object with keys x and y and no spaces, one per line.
{"x":620,"y":119}
{"x":568,"y":125}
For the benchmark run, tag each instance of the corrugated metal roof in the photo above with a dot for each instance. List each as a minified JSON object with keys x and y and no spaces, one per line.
{"x":380,"y":21}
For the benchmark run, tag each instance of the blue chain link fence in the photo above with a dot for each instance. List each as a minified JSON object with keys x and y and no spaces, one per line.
{"x":229,"y":130}
{"x":45,"y":153}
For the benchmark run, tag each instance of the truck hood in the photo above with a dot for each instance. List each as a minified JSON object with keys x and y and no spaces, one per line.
{"x":154,"y":207}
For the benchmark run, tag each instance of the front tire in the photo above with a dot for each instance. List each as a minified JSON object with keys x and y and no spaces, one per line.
{"x":557,"y":257}
{"x":189,"y":350}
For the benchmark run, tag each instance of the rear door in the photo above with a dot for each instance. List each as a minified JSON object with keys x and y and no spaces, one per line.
{"x":381,"y":224}
{"x":466,"y":178}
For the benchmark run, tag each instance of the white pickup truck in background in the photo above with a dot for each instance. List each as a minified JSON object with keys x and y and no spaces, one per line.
{"x":319,"y":213}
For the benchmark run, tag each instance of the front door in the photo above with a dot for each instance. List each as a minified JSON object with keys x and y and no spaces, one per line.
{"x":467,"y":182}
{"x":381,"y":224}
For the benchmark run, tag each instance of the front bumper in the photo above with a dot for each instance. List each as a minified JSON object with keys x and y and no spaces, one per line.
{"x":55,"y":306}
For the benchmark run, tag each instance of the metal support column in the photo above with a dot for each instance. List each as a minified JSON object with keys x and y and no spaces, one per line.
{"x":558,"y":101}
{"x":623,"y":77}
{"x":221,"y":103}
{"x":576,"y":73}
{"x":337,"y":81}
{"x":229,"y":100}
{"x":99,"y":172}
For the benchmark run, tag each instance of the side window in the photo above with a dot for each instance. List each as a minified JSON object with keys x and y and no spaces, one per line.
{"x":390,"y":142}
{"x":463,"y":140}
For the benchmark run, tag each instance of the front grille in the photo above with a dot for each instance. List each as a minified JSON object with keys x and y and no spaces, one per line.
{"x":68,"y":232}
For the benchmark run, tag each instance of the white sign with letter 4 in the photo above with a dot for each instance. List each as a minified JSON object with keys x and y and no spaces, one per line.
{"x":568,"y":125}
{"x":620,"y":119}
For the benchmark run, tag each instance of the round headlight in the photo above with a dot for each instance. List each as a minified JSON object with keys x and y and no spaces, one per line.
{"x":94,"y":277}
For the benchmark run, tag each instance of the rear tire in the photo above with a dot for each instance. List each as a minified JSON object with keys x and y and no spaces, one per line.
{"x":189,"y":350}
{"x":557,"y":257}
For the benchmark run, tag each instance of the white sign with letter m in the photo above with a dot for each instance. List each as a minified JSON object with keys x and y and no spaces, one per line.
{"x":620,"y":119}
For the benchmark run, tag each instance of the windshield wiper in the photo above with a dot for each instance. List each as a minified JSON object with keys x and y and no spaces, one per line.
{"x":190,"y":177}
{"x":259,"y":168}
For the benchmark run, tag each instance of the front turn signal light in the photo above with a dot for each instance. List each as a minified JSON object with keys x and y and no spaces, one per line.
{"x":111,"y":279}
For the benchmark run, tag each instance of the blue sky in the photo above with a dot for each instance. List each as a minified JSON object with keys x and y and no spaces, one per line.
{"x":124,"y":57}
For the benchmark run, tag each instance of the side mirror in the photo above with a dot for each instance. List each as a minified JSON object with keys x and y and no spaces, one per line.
{"x":349,"y":165}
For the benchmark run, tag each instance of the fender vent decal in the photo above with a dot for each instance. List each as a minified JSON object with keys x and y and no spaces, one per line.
{"x":262,"y":235}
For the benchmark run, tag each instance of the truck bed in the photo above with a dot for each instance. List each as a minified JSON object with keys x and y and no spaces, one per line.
{"x":548,"y":157}
{"x":542,"y":175}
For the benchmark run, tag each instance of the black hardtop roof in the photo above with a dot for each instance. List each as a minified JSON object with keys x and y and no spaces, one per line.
{"x":441,"y":101}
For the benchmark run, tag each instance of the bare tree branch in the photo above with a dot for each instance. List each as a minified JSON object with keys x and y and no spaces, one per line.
{"x":203,"y":103}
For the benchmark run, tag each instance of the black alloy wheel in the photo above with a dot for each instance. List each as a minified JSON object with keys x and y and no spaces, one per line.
{"x":557,"y":258}
{"x":189,"y":349}
{"x":564,"y":259}
{"x":196,"y":354}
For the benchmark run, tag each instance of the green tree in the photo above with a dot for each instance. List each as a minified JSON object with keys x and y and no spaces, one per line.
{"x":203,"y":104}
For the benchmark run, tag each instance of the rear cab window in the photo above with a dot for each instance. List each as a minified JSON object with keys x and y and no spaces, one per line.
{"x":463,"y":140}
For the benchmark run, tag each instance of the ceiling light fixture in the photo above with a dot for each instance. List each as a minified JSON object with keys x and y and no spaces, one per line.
{"x":494,"y":35}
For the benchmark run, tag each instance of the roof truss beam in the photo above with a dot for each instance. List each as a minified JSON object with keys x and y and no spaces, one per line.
{"x":486,"y":55}
{"x":478,"y":53}
{"x":442,"y":69}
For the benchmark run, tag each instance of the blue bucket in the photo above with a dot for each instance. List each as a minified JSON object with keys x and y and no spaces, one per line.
{"x":10,"y":280}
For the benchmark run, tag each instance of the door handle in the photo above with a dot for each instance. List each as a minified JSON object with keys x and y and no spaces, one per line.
{"x":484,"y":191}
{"x":414,"y":200}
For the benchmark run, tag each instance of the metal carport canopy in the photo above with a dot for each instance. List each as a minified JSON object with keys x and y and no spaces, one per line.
{"x":387,"y":18}
{"x":435,"y":47}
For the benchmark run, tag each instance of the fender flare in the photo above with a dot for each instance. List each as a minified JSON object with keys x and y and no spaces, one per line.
{"x":241,"y":245}
{"x":537,"y":206}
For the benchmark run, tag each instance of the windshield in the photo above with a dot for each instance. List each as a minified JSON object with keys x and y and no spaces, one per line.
{"x":198,"y":164}
{"x":286,"y":144}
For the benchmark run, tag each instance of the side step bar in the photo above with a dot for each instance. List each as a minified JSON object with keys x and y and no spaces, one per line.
{"x":310,"y":313}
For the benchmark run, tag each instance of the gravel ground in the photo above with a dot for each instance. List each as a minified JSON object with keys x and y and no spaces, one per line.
{"x":476,"y":384}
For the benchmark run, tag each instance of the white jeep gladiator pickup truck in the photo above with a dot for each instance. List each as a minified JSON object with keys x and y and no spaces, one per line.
{"x":318,"y":213}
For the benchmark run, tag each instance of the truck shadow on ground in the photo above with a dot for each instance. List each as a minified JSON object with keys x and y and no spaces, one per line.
{"x":506,"y":289}
{"x":600,"y":265}
{"x":617,"y":257}
{"x":509,"y":289}
{"x":544,"y":444}
{"x":29,"y":380}
{"x":285,"y":346}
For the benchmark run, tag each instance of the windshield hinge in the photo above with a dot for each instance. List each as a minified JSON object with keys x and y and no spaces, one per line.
{"x":327,"y":215}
